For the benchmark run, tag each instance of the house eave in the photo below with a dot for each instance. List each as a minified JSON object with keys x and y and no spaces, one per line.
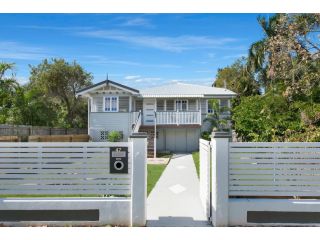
{"x":87,"y":90}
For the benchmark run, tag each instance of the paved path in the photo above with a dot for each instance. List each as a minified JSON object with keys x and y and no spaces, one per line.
{"x":175,"y":201}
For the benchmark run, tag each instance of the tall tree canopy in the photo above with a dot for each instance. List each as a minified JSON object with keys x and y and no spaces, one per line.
{"x":8,"y":89}
{"x":59,"y":81}
{"x":237,"y":78}
{"x":286,"y":65}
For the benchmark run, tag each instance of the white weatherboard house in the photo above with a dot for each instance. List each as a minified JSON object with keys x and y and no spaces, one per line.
{"x":175,"y":111}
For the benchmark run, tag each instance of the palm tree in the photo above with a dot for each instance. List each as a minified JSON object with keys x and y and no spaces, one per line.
{"x":257,"y":54}
{"x":4,"y":67}
{"x":8,"y":86}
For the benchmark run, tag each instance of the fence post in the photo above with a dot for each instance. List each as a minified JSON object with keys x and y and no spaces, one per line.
{"x":220,"y":178}
{"x":139,"y":179}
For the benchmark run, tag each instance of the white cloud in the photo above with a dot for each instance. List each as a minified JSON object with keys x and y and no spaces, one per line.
{"x":172,"y":44}
{"x":15,"y":50}
{"x":140,"y":79}
{"x":176,"y":81}
{"x":101,"y":60}
{"x":56,"y":28}
{"x":132,"y":77}
{"x":199,"y":81}
{"x":234,"y":56}
{"x":137,"y":21}
{"x":211,"y":55}
{"x":203,"y":71}
{"x":22,"y":80}
{"x":148,"y":79}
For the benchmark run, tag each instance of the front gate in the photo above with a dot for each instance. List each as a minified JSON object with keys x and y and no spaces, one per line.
{"x":205,"y":175}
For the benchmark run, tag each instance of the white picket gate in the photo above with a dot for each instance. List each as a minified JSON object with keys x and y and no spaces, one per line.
{"x":205,"y":176}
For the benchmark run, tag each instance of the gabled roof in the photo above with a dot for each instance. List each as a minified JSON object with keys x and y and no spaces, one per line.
{"x":105,"y":83}
{"x":186,"y":90}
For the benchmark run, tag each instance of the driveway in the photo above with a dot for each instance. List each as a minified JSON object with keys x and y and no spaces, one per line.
{"x":175,"y":201}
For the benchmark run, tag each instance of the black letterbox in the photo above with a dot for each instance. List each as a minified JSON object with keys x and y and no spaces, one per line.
{"x":118,"y":160}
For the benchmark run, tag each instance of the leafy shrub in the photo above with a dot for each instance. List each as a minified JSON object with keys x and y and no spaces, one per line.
{"x":206,"y":136}
{"x":272,"y":118}
{"x":265,"y":118}
{"x":114,"y":136}
{"x":219,"y":118}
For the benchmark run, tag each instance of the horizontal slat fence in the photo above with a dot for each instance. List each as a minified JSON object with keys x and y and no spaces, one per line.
{"x":61,"y":169}
{"x":274,"y":169}
{"x":26,"y":130}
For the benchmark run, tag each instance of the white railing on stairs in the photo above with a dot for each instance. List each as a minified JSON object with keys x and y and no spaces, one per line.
{"x":137,"y":123}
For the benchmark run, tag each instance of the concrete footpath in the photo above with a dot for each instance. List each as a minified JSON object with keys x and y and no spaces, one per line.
{"x":175,"y":201}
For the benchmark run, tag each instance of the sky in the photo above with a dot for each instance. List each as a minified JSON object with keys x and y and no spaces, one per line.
{"x":138,"y":50}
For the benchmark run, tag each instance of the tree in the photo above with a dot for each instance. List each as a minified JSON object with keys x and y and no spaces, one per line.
{"x":294,"y":52}
{"x":8,"y":89}
{"x":59,"y":81}
{"x":288,"y":58}
{"x":258,"y":58}
{"x":237,"y":78}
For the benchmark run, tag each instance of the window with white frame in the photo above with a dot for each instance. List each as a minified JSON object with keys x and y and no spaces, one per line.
{"x":181,"y":105}
{"x":111,"y":104}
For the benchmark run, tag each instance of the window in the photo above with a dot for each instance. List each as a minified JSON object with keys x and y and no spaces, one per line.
{"x":160,"y":105}
{"x":181,"y":105}
{"x":111,"y":104}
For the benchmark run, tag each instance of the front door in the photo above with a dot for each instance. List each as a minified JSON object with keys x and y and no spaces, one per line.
{"x":149,"y":107}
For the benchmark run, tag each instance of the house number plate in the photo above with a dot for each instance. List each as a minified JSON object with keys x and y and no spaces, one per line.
{"x":118,"y":160}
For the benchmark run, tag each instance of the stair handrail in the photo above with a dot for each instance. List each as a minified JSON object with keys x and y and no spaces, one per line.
{"x":137,"y":124}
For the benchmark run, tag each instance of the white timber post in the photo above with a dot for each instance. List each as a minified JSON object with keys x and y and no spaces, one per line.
{"x":155,"y":131}
{"x":220,"y":178}
{"x":139,"y":179}
{"x":89,"y":112}
{"x":130,"y":104}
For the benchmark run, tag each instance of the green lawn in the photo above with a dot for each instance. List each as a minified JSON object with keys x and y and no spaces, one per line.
{"x":195,"y":156}
{"x":154,"y":173}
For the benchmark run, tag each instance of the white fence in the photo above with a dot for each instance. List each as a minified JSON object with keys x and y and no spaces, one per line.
{"x":177,"y":118}
{"x":75,"y":178}
{"x":274,"y":169}
{"x":61,"y":168}
{"x":262,"y":183}
{"x":205,"y":176}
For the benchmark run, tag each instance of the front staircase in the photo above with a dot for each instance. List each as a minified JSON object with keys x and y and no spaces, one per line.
{"x":150,"y":133}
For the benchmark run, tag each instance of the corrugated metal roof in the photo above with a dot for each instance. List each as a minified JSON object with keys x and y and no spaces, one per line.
{"x":185,"y":90}
{"x":172,"y":95}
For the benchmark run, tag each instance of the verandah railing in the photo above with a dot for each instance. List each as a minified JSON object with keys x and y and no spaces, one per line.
{"x":176,"y":118}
